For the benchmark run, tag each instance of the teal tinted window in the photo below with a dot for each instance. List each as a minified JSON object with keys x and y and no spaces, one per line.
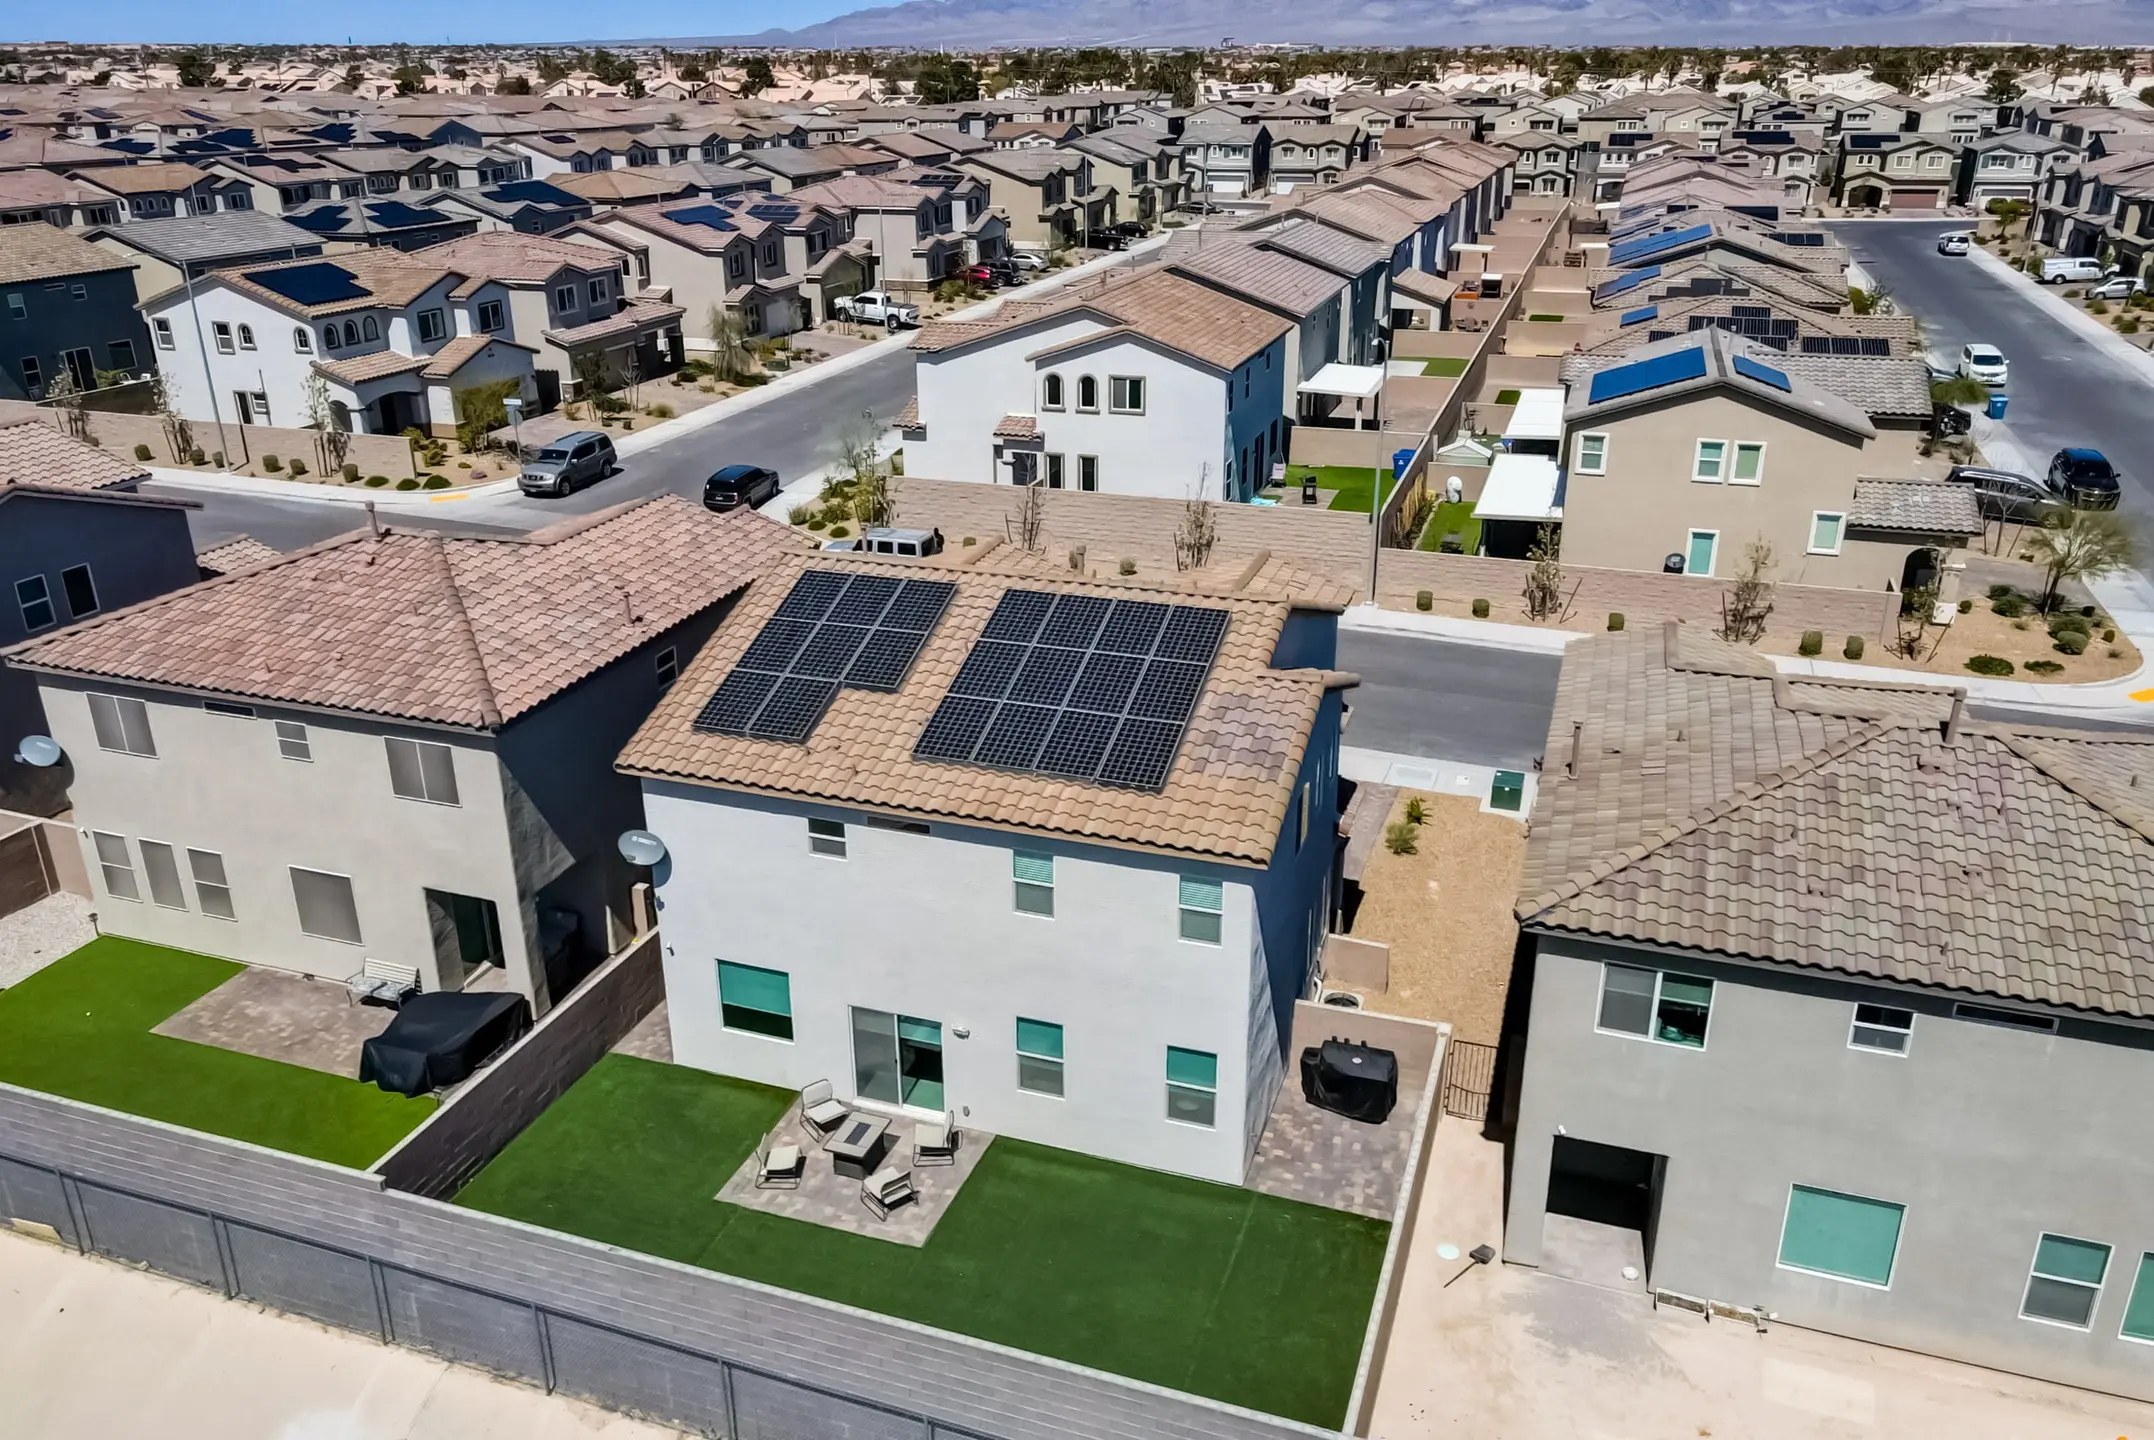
{"x":1203,"y":904}
{"x":756,"y":1000}
{"x":1038,"y":1037}
{"x":2139,"y":1314}
{"x":1192,"y":1067}
{"x":1843,"y":1235}
{"x":1034,"y":875}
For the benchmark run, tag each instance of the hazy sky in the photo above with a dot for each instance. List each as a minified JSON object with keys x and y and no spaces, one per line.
{"x":383,"y":21}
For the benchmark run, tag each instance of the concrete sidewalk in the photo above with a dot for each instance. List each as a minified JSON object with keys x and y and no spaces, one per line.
{"x":90,"y":1349}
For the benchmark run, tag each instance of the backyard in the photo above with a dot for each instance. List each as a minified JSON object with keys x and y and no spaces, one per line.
{"x":1349,"y":486}
{"x":1211,"y":1289}
{"x":81,"y":1028}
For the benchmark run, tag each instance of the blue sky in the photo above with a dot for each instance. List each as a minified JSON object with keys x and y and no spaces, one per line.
{"x":383,"y":21}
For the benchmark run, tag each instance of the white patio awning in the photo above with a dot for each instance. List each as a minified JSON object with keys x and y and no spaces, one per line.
{"x":1520,"y":487}
{"x":1354,"y":382}
{"x":1537,"y":416}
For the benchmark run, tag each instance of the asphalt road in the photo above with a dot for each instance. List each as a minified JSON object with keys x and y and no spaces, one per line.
{"x":1470,"y":703}
{"x":2065,"y":390}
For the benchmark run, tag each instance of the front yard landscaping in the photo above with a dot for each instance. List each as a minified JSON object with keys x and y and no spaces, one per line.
{"x":1205,"y":1288}
{"x":81,"y":1027}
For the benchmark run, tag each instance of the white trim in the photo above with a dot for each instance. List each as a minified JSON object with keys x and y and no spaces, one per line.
{"x":2109,"y":1253}
{"x":1839,"y":532}
{"x":1697,"y":462}
{"x":1736,"y":455}
{"x":1856,"y":1022}
{"x":1690,"y":549}
{"x":1653,"y":1017}
{"x":1578,"y":457}
{"x":1789,"y":1208}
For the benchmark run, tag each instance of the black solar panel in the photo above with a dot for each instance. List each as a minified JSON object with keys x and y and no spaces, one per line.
{"x":831,"y":630}
{"x":1078,"y":686}
{"x":318,"y":284}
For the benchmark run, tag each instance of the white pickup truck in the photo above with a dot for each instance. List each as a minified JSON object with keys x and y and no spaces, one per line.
{"x":876,"y":307}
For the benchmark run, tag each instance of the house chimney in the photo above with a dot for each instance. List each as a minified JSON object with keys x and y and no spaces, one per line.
{"x":1952,"y":721}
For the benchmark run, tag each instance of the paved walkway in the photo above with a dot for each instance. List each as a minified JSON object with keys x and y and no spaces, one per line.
{"x":90,"y":1350}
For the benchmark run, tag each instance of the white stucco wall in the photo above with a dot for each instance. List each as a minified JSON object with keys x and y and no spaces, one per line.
{"x":926,"y":926}
{"x":964,"y":392}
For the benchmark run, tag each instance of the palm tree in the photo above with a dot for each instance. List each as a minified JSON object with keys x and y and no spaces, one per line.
{"x":2081,"y":545}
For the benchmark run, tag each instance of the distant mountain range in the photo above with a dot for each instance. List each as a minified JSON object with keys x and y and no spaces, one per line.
{"x":982,"y":23}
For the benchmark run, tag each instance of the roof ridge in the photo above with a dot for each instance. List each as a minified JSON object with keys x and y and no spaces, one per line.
{"x":489,"y":703}
{"x":2141,"y":824}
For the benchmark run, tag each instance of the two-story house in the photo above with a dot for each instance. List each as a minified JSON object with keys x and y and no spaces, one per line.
{"x":919,"y":226}
{"x":2010,"y":165}
{"x":1047,"y":198}
{"x":1315,"y":154}
{"x":167,"y":254}
{"x":1547,"y":162}
{"x":1078,"y":911}
{"x":28,"y":196}
{"x":1892,"y":171}
{"x":1224,"y":159}
{"x":157,"y":190}
{"x":391,"y":745}
{"x":66,"y":307}
{"x":1143,"y":171}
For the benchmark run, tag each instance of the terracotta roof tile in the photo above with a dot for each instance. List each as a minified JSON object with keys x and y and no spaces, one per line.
{"x":38,"y":251}
{"x":1934,"y":507}
{"x":33,"y":453}
{"x":357,"y":369}
{"x":1012,"y":427}
{"x":243,"y":552}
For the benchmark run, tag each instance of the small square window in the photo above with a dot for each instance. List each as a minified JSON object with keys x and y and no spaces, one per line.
{"x":1593,"y":454}
{"x":668,"y":664}
{"x":490,"y":317}
{"x":1749,"y":463}
{"x":431,"y":326}
{"x":34,"y":597}
{"x":1881,"y":1027}
{"x":422,"y":770}
{"x":1654,"y":1005}
{"x":292,"y":741}
{"x":756,"y":1000}
{"x":1125,"y":394}
{"x":222,"y":333}
{"x":598,"y":291}
{"x":2065,"y":1282}
{"x":1711,"y":459}
{"x":327,"y":909}
{"x":1203,"y":909}
{"x":564,"y":297}
{"x":1826,"y":531}
{"x":1033,"y":875}
{"x":122,"y":725}
{"x":827,"y":837}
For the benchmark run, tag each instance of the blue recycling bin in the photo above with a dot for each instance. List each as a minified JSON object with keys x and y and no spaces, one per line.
{"x":1400,"y":459}
{"x":1997,"y":402}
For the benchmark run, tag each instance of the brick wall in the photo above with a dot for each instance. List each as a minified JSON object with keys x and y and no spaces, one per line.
{"x":1642,"y":596}
{"x":458,"y":1139}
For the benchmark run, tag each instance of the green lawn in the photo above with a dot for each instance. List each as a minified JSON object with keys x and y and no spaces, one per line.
{"x":1448,"y":517}
{"x":1445,"y":367}
{"x":1354,"y":484}
{"x":80,"y":1027}
{"x":1205,"y":1288}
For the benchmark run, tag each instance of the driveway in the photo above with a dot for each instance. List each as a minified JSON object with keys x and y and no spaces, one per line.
{"x":1473,"y":704}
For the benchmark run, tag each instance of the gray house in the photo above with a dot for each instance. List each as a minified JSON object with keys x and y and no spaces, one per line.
{"x":1838,"y":1006}
{"x":65,"y":305}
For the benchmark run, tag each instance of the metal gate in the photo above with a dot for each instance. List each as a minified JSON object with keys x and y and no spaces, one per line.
{"x":1469,"y":1076}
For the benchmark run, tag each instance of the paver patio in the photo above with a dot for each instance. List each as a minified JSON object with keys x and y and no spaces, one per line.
{"x":824,"y":1197}
{"x":282,"y":1017}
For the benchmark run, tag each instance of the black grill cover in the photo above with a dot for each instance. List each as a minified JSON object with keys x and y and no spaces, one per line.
{"x":1350,"y":1079}
{"x":439,"y":1039}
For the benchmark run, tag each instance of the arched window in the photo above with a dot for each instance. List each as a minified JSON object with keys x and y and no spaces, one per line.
{"x":1051,"y":393}
{"x":302,"y":340}
{"x":329,"y":337}
{"x":246,"y":337}
{"x":351,"y":333}
{"x":373,"y":331}
{"x":1087,"y":393}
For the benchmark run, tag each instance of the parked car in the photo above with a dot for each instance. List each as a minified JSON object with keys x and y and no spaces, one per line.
{"x":1026,"y":260}
{"x":882,"y":540}
{"x":2117,"y":287}
{"x":876,"y":307}
{"x":2005,"y":494}
{"x":1956,"y":243}
{"x":984,"y":275}
{"x":562,"y":466}
{"x":1007,"y":271}
{"x":2085,"y":479}
{"x":1984,"y":363}
{"x":2062,"y":269}
{"x":738,"y":485}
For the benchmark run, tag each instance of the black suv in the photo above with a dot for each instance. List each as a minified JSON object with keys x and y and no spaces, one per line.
{"x":738,"y":485}
{"x":2085,"y":479}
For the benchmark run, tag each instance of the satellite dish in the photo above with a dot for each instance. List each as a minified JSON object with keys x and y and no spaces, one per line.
{"x":38,"y":750}
{"x":641,"y":847}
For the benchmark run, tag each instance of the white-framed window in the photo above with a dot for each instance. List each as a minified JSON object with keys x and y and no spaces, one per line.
{"x":246,"y":337}
{"x":432,"y":326}
{"x":1051,"y":391}
{"x":422,"y":770}
{"x":292,"y":741}
{"x":1056,"y":471}
{"x":1125,"y":394}
{"x":1827,"y":529}
{"x":122,"y":724}
{"x":160,"y":328}
{"x":1882,"y":1028}
{"x":1591,"y":453}
{"x":1843,"y":1237}
{"x":33,"y":596}
{"x":221,"y":332}
{"x":1710,"y":463}
{"x":117,"y":866}
{"x":1088,"y":394}
{"x":302,"y":340}
{"x":564,"y":297}
{"x":327,"y":910}
{"x":827,"y":838}
{"x":1654,"y":1005}
{"x":1088,"y":472}
{"x":489,"y":316}
{"x":1203,"y":905}
{"x":2064,"y":1281}
{"x":667,"y":663}
{"x":160,"y":864}
{"x":1039,"y":1057}
{"x":80,"y":587}
{"x":598,"y":291}
{"x":211,"y":890}
{"x":1032,"y":876}
{"x":1749,"y":468}
{"x":1700,"y":552}
{"x":1192,"y":1086}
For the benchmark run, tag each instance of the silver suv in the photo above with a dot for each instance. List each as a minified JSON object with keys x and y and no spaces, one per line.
{"x":577,"y":459}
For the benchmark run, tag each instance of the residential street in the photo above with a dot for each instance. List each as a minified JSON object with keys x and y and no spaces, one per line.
{"x":1468,"y":703}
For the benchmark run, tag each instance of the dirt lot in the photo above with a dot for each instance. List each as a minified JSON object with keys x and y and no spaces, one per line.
{"x":1445,"y":911}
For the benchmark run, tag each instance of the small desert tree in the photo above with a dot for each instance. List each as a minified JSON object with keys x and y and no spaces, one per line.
{"x":867,"y":477}
{"x":1544,"y":582}
{"x":593,"y":379}
{"x":179,"y":435}
{"x":1749,"y":601}
{"x":731,"y":355}
{"x":331,"y":441}
{"x":65,"y":397}
{"x":1024,"y":523}
{"x":481,"y":410}
{"x":2081,"y":545}
{"x":1198,"y":531}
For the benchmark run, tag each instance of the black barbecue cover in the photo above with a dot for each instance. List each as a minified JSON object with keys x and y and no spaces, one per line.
{"x":1358,"y":1081}
{"x":438,"y":1039}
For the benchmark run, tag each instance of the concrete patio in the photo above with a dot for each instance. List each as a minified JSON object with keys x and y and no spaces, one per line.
{"x":825,"y":1197}
{"x":1324,"y":1159}
{"x":281,"y":1016}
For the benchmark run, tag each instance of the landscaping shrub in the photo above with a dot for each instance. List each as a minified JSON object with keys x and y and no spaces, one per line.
{"x":1990,"y":665}
{"x":1423,"y":599}
{"x":2109,"y":637}
{"x":1480,"y":609}
{"x":818,"y":523}
{"x":1853,"y":648}
{"x":1813,"y":643}
{"x":1999,"y":592}
{"x":2011,"y":607}
{"x":437,"y":482}
{"x":2128,"y":325}
{"x":1543,"y":319}
{"x":1401,"y":838}
{"x":350,"y":472}
{"x":1615,"y":620}
{"x":143,"y":452}
{"x":839,"y":532}
{"x":1506,"y":397}
{"x":659,"y":412}
{"x":2072,"y":642}
{"x":272,"y":464}
{"x":299,"y":468}
{"x":1417,"y":812}
{"x":2043,"y":667}
{"x":799,"y":514}
{"x":1128,"y":567}
{"x":2098,"y":307}
{"x":409,"y":482}
{"x":972,"y":540}
{"x":375,"y":482}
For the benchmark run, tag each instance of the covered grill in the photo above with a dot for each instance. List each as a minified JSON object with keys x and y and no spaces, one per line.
{"x":1348,"y":1078}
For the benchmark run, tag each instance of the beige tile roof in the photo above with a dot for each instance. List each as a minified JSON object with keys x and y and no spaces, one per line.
{"x":38,"y":251}
{"x":908,"y":418}
{"x":1010,"y":427}
{"x":637,"y":315}
{"x":358,"y":369}
{"x":33,"y":453}
{"x":391,"y":278}
{"x":1172,"y":309}
{"x":1931,"y":506}
{"x":514,"y":258}
{"x":420,"y":626}
{"x":154,"y":179}
{"x":461,"y":351}
{"x":1225,"y":798}
{"x":1690,"y":798}
{"x":243,"y":552}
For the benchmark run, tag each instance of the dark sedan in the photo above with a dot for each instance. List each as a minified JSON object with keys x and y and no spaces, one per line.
{"x":738,"y":485}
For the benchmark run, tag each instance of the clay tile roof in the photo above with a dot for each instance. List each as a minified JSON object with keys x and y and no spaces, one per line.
{"x":1226,"y":797}
{"x":388,"y":277}
{"x":420,"y":626}
{"x":243,"y":552}
{"x":460,"y":352}
{"x":153,"y":179}
{"x":35,"y":454}
{"x":509,"y":256}
{"x":636,"y":315}
{"x":1010,"y":427}
{"x":909,"y":417}
{"x":1694,"y":798}
{"x":1925,"y":505}
{"x":38,"y":251}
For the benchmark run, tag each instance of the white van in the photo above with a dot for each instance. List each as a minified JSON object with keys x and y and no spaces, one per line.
{"x":2060,"y":269}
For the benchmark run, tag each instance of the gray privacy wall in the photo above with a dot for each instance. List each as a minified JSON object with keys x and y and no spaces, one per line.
{"x":720,"y":1355}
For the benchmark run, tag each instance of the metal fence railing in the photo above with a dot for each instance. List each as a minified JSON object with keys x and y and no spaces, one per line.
{"x":1469,"y":1077}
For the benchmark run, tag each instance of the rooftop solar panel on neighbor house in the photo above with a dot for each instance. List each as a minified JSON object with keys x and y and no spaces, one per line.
{"x":714,"y":217}
{"x":776,"y":214}
{"x":1643,"y":312}
{"x":1614,"y":384}
{"x":399,"y":216}
{"x":1079,"y":687}
{"x":1750,"y":369}
{"x":1635,"y":250}
{"x":320,"y":284}
{"x":1625,"y":282}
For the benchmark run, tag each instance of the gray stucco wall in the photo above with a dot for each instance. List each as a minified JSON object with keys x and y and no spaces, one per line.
{"x":1989,"y":1136}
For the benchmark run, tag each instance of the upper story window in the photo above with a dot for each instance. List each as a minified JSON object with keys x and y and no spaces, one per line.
{"x":1125,"y":394}
{"x":292,"y":741}
{"x":827,"y":838}
{"x":490,"y":319}
{"x":80,"y":587}
{"x":1087,"y":393}
{"x":369,"y":327}
{"x":34,"y":597}
{"x":246,"y":337}
{"x":1033,"y":878}
{"x":1592,"y":454}
{"x":1654,"y":1005}
{"x":736,"y":266}
{"x":18,"y":308}
{"x":564,"y":297}
{"x":1051,"y":392}
{"x":1882,"y":1028}
{"x":302,"y":340}
{"x":221,"y":332}
{"x":770,"y":253}
{"x":1203,"y":907}
{"x":432,"y":326}
{"x":598,"y":290}
{"x":422,"y":770}
{"x":122,"y":724}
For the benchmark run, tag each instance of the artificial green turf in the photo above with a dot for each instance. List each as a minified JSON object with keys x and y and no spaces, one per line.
{"x":1353,"y":484}
{"x":1206,"y":1288}
{"x":80,"y":1027}
{"x":1448,"y":517}
{"x":1506,"y":397}
{"x":1445,"y":367}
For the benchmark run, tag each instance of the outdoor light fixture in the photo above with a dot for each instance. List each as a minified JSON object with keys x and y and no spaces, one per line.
{"x":641,"y":847}
{"x":39,"y":750}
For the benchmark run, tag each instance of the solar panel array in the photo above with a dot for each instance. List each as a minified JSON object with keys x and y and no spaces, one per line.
{"x":396,"y":214}
{"x":1078,"y":687}
{"x":1634,"y":250}
{"x":833,"y":630}
{"x":1613,"y":384}
{"x":1764,"y":374}
{"x":1845,"y":345}
{"x":1624,"y":282}
{"x":320,"y":284}
{"x":714,"y":217}
{"x":776,"y":214}
{"x":1642,"y":313}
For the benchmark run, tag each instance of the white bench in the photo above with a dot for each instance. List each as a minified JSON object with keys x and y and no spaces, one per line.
{"x":383,"y":981}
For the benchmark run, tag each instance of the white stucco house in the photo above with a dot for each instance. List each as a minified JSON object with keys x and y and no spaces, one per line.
{"x":1156,"y":385}
{"x":1083,"y":922}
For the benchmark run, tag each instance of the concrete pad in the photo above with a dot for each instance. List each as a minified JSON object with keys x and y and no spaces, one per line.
{"x":281,"y":1016}
{"x":652,"y":1039}
{"x":824,"y":1197}
{"x":1324,"y":1159}
{"x":90,"y":1349}
{"x":1593,"y":1253}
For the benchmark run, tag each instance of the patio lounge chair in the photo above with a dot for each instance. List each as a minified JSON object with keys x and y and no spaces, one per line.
{"x":887,"y":1189}
{"x":934,"y":1142}
{"x":382,"y":982}
{"x":781,"y":1168}
{"x":820,"y":1111}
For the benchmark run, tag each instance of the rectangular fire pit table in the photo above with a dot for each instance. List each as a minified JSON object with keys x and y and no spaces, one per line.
{"x":858,"y":1144}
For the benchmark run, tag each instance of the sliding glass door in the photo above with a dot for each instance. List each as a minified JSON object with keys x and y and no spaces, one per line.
{"x":897,"y":1059}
